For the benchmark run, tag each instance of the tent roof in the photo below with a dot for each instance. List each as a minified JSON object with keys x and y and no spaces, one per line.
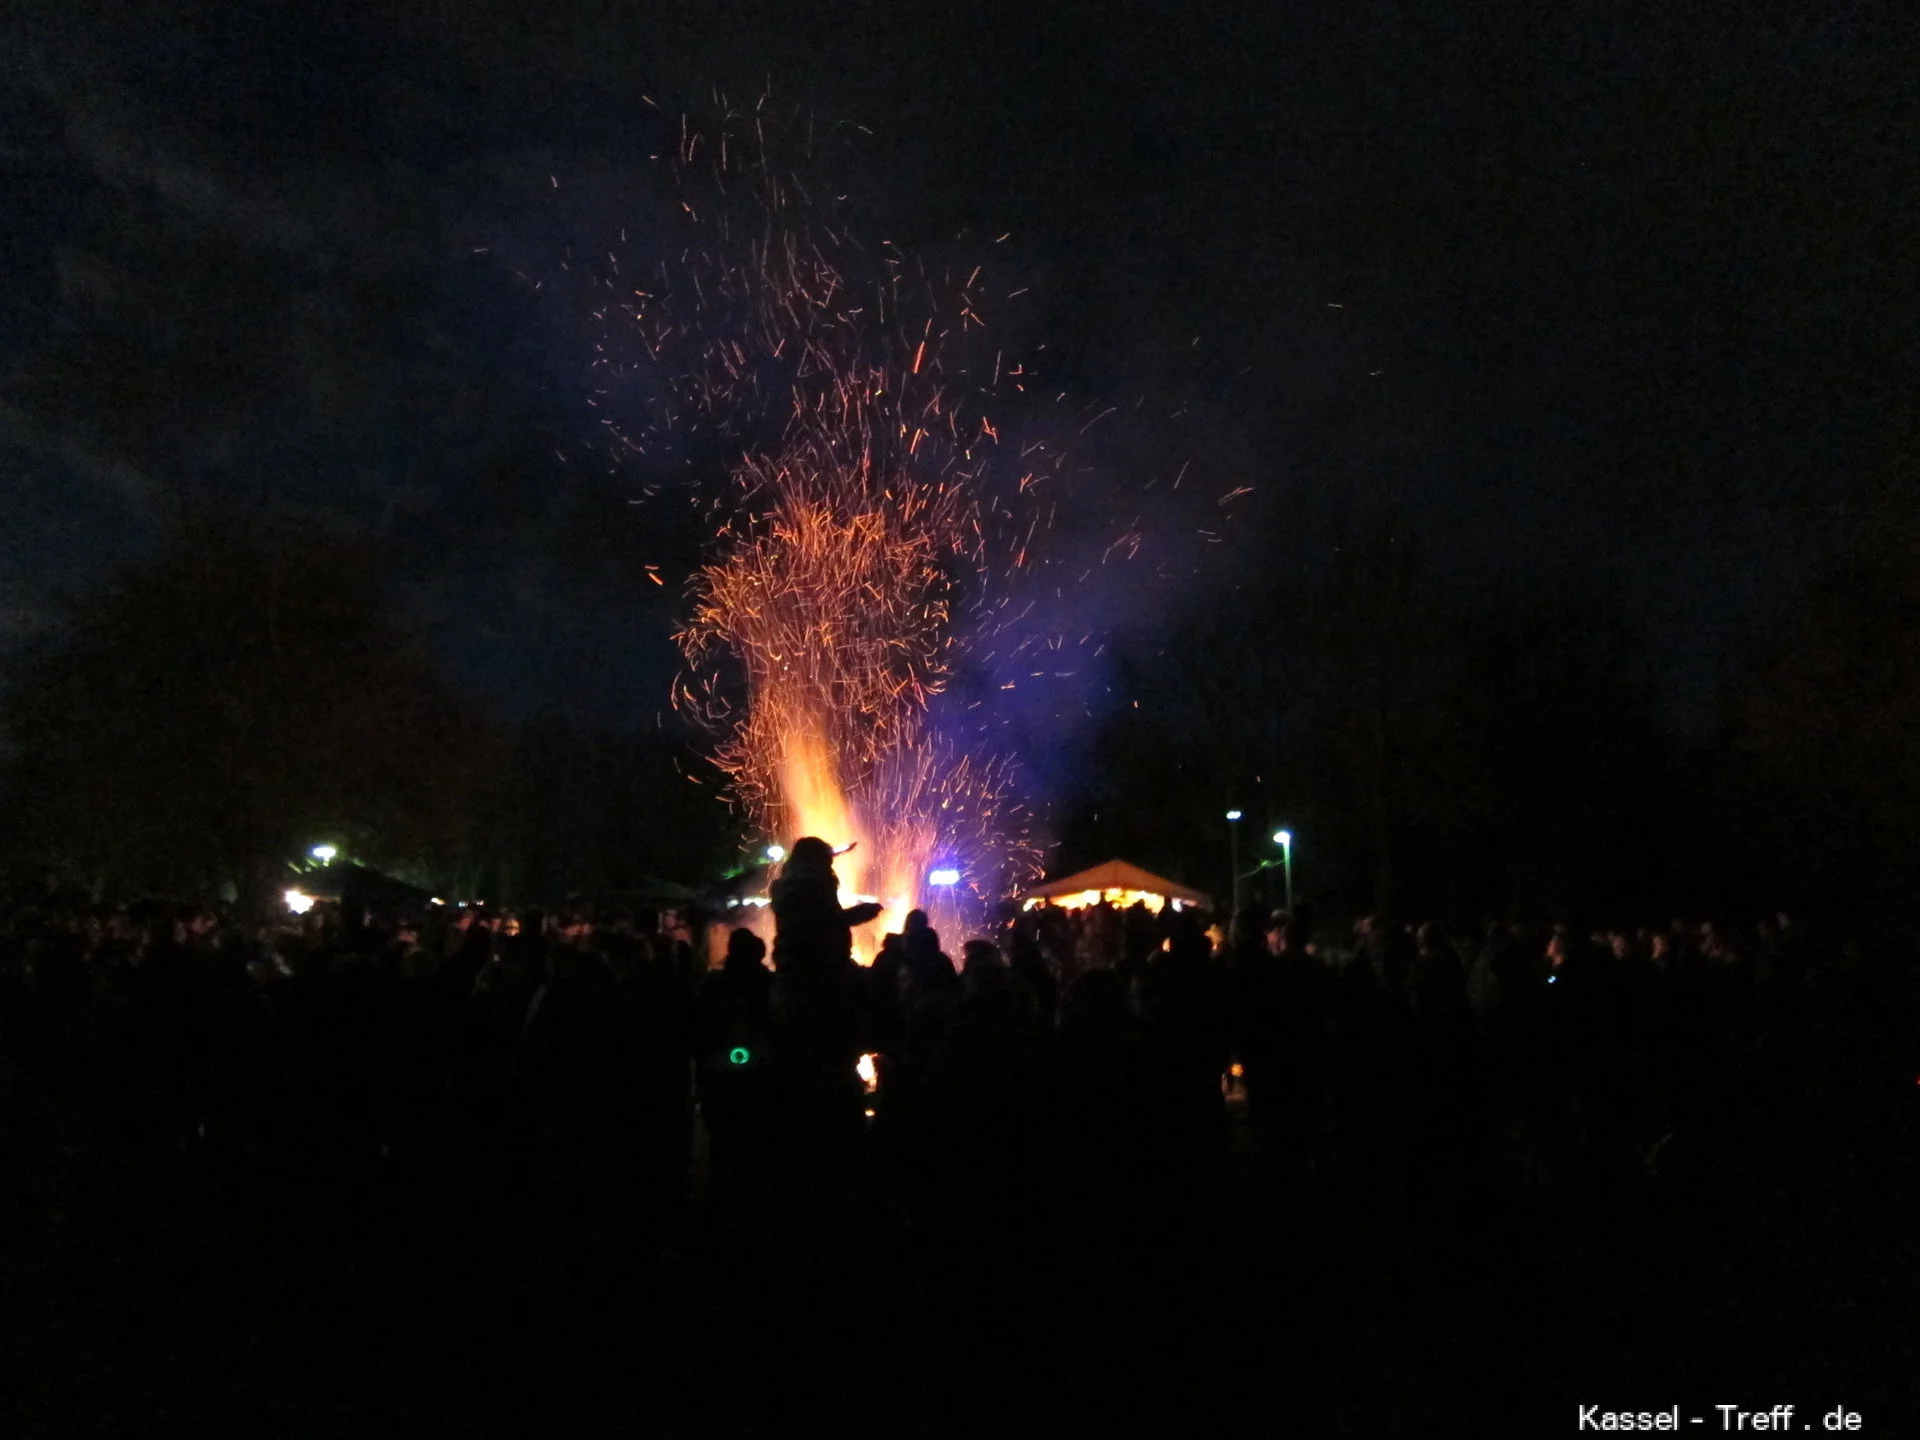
{"x":649,"y":890}
{"x":1116,"y":875}
{"x":339,"y":878}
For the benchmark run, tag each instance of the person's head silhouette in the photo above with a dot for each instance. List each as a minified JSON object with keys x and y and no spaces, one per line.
{"x":809,"y":856}
{"x":745,"y":950}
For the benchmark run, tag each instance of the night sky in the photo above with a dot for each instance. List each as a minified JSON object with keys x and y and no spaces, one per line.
{"x":1622,"y":294}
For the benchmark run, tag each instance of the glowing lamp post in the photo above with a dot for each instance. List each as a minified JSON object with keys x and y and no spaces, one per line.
{"x":776,"y":853}
{"x":1233,"y":854}
{"x":324,"y":853}
{"x":943,"y":877}
{"x":1284,"y":839}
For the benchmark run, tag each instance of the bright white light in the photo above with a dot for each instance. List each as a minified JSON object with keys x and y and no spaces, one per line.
{"x":436,"y":900}
{"x":324,"y":853}
{"x":298,"y":901}
{"x":776,"y":853}
{"x":1233,"y":814}
{"x":944,"y":877}
{"x":869,"y":1076}
{"x":1283,"y":838}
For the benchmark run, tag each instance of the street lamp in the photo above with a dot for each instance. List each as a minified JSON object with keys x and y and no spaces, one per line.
{"x":324,"y":853}
{"x":776,"y":853}
{"x":1233,"y":854}
{"x":1284,"y":839}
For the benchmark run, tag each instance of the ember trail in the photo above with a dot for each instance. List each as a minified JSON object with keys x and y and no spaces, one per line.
{"x":859,"y":550}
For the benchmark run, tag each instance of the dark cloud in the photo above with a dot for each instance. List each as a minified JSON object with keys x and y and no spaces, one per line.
{"x":1562,"y":292}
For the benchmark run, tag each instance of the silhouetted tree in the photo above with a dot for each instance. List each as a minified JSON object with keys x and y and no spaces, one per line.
{"x":1386,"y":698}
{"x":1571,"y":774}
{"x":1825,"y":732}
{"x":198,"y":721}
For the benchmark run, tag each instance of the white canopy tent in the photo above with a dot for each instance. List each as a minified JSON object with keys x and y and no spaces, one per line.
{"x":1117,"y":883}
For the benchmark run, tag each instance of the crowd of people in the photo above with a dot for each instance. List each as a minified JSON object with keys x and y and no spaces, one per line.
{"x":559,"y":1106}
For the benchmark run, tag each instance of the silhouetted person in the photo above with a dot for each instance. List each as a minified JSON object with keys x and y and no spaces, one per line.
{"x":1278,"y":1003}
{"x":653,"y":1069}
{"x":817,"y":995}
{"x":1100,"y":1106}
{"x":733,"y":1029}
{"x":1437,"y":984}
{"x":1029,"y":962}
{"x":813,"y":933}
{"x":1183,"y":1022}
{"x":929,"y":970}
{"x":998,"y":1023}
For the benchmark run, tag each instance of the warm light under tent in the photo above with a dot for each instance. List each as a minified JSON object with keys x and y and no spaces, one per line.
{"x":1117,"y":883}
{"x":1119,"y":899}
